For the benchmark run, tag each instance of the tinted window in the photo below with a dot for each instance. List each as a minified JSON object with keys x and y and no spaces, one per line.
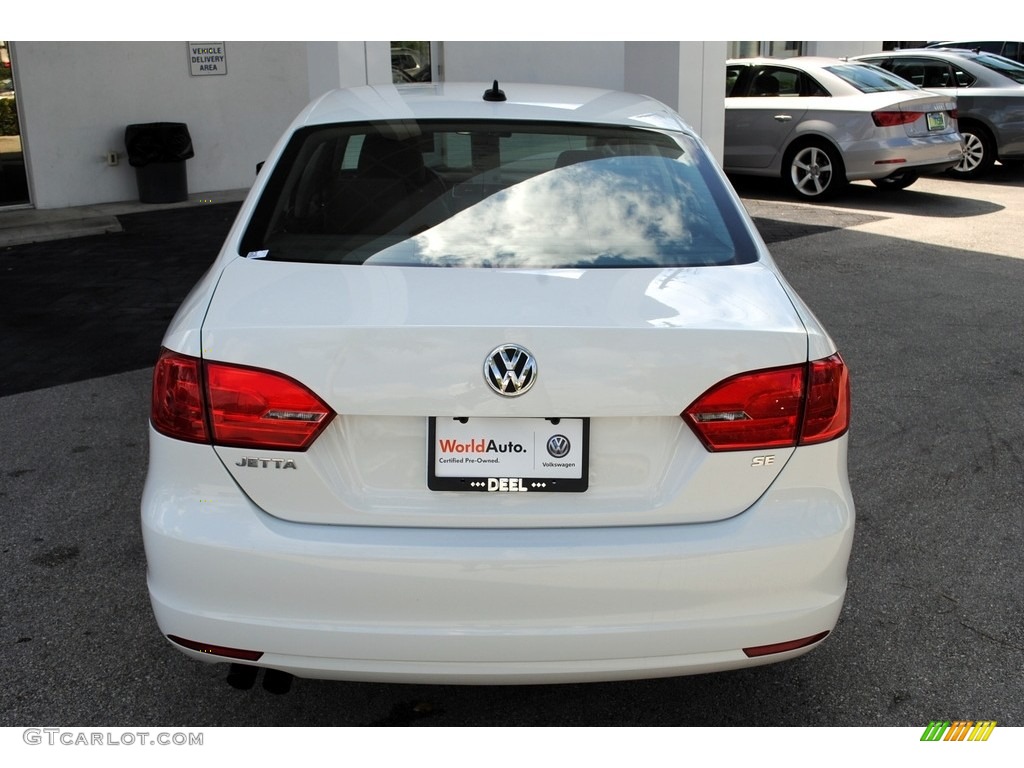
{"x":927,"y":72}
{"x":496,"y":195}
{"x":770,"y":80}
{"x":732,"y":76}
{"x":870,"y":79}
{"x":1004,"y":67}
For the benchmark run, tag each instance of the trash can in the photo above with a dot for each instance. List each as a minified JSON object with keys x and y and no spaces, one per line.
{"x":158,"y":152}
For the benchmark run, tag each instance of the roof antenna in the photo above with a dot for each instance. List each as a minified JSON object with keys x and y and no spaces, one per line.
{"x":494,"y":93}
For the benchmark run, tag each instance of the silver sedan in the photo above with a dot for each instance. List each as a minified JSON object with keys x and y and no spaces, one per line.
{"x":819,"y":123}
{"x":989,"y":92}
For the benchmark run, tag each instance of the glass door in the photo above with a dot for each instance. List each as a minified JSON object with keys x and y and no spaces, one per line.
{"x":13,"y":181}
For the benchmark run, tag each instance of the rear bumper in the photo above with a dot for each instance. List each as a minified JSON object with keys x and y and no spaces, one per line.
{"x":925,"y":170}
{"x":494,"y":606}
{"x":922,"y":155}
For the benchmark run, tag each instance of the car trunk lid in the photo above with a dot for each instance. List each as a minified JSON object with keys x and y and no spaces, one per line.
{"x":619,"y":353}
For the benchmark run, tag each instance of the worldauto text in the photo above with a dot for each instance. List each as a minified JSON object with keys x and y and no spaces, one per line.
{"x":449,"y":445}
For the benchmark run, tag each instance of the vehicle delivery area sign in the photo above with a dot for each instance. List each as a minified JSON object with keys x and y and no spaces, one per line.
{"x":207,"y":59}
{"x":508,"y":455}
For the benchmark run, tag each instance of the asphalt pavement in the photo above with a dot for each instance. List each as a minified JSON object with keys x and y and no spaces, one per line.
{"x":923,"y":291}
{"x":76,"y":308}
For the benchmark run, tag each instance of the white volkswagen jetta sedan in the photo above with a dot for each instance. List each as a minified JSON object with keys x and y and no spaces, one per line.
{"x":495,"y":385}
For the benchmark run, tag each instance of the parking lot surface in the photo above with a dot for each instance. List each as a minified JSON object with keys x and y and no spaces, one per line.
{"x":923,"y":291}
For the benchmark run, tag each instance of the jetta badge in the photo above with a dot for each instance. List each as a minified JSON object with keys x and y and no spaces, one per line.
{"x":510,"y":370}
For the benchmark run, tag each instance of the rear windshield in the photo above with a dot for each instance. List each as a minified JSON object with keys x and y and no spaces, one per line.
{"x":496,"y":195}
{"x":1003,"y":66}
{"x":868,"y":78}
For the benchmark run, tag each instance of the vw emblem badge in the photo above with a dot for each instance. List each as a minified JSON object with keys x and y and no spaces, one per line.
{"x":510,"y":370}
{"x":558,"y":446}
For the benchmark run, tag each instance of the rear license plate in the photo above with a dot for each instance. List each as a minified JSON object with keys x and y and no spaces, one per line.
{"x":936,"y":121}
{"x":499,"y":455}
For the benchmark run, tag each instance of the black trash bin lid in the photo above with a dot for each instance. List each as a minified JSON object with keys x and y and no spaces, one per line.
{"x":157,"y":143}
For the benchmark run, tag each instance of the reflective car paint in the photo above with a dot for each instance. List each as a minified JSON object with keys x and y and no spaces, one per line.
{"x":763,"y":133}
{"x":337,"y":560}
{"x":990,"y":104}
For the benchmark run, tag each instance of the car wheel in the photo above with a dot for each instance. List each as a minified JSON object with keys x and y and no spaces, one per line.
{"x":815,"y":171}
{"x":896,"y":181}
{"x":979,"y":153}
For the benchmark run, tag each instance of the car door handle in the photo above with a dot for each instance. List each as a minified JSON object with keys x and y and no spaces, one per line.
{"x":783,"y":118}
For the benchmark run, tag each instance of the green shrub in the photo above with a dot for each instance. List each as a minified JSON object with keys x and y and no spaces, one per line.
{"x":9,"y":117}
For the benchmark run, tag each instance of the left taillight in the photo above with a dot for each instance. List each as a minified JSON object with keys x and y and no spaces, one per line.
{"x":231,"y":405}
{"x":177,"y":409}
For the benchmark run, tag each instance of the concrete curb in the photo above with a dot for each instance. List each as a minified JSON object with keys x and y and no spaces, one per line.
{"x":23,"y":225}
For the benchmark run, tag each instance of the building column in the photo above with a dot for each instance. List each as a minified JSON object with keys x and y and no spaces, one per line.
{"x":347,"y":64}
{"x":687,"y":76}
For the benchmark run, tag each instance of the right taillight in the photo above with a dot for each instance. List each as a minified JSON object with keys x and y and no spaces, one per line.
{"x":774,"y":408}
{"x":827,"y":412}
{"x":234,"y":405}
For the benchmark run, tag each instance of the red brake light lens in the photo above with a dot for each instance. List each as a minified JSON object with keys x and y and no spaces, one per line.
{"x":886,"y":118}
{"x":218,"y":650}
{"x":261,"y":409}
{"x":774,"y":408}
{"x":752,"y":410}
{"x":234,"y":405}
{"x":792,"y":645}
{"x":176,"y":409}
{"x":828,"y":401}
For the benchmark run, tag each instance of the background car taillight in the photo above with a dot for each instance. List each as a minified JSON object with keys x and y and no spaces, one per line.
{"x":774,"y":408}
{"x":234,"y":405}
{"x":886,"y":118}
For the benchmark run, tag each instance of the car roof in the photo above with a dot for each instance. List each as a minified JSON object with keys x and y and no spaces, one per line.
{"x":965,"y":53}
{"x":976,"y":62}
{"x":818,"y":67}
{"x":465,"y":101}
{"x":800,"y":62}
{"x":957,"y":54}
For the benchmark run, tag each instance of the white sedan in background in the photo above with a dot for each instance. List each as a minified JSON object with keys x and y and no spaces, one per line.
{"x":818,"y":123}
{"x":495,"y":385}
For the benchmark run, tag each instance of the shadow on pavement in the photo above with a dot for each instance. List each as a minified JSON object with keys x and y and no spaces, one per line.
{"x":94,"y":306}
{"x":867,"y":197}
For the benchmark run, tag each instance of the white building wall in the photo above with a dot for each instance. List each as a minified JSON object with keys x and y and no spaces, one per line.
{"x":595,"y":64}
{"x":347,"y":64}
{"x":839,"y":48}
{"x":75,"y":99}
{"x":687,"y":76}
